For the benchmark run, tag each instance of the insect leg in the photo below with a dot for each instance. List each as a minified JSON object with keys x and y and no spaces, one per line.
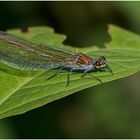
{"x":68,"y":77}
{"x":110,"y":70}
{"x":86,"y":73}
{"x":55,"y":74}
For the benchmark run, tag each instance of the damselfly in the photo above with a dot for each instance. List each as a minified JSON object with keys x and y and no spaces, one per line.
{"x":27,"y":55}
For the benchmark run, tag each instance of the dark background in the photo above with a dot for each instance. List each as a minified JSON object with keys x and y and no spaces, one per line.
{"x":110,"y":110}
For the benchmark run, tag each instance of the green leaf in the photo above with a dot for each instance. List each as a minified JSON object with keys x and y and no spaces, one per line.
{"x":22,"y":91}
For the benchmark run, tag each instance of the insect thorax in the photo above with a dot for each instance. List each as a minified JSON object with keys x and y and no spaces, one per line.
{"x":79,"y":62}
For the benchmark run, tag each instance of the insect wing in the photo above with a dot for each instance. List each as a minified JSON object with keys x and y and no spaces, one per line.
{"x":26,"y":55}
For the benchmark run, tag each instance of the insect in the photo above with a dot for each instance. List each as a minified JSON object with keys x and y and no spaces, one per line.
{"x":28,"y":55}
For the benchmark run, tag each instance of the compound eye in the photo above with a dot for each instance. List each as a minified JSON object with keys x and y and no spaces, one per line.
{"x":97,"y":63}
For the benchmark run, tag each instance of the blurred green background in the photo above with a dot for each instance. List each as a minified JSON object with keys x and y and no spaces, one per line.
{"x":110,"y":110}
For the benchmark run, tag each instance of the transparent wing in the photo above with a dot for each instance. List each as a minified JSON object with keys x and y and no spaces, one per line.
{"x":26,"y":55}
